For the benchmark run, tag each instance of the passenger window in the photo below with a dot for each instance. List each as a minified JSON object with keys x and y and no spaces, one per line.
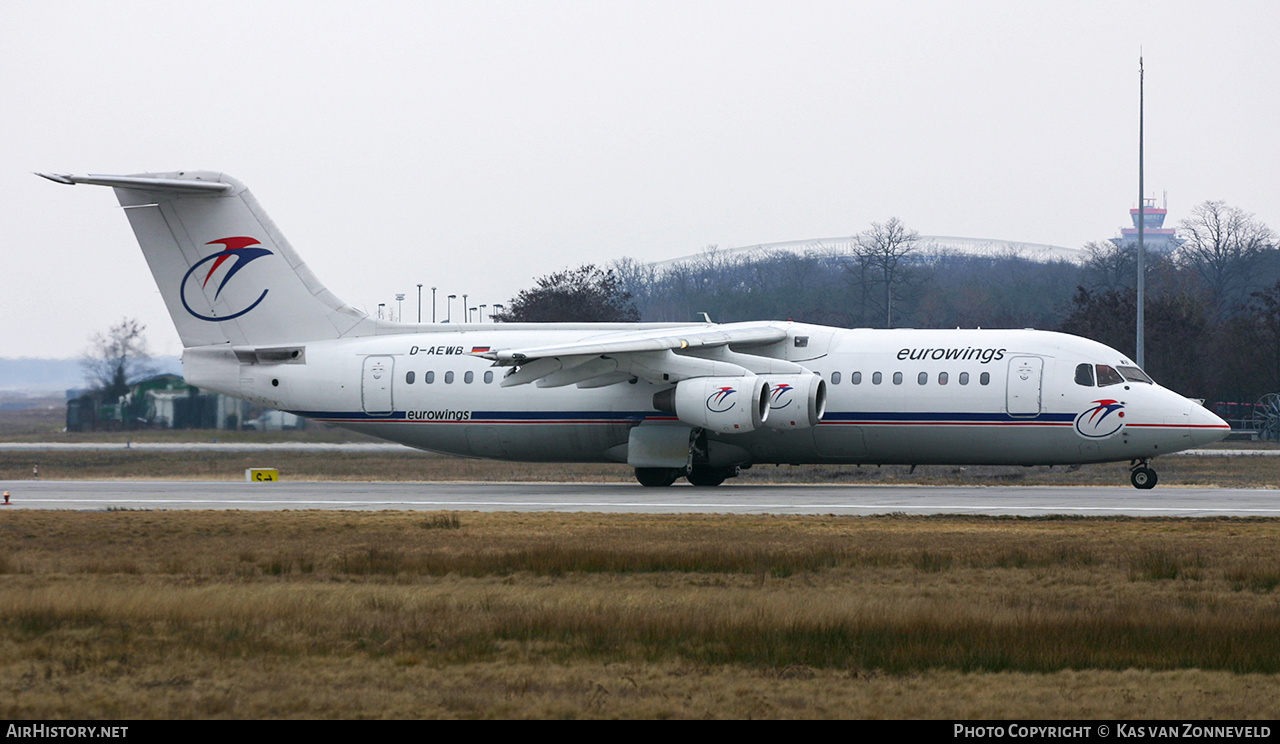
{"x":1084,"y":375}
{"x":448,"y":378}
{"x":922,"y":378}
{"x":469,"y":377}
{"x":984,"y":378}
{"x":897,"y":378}
{"x":430,"y":378}
{"x":1108,"y":376}
{"x":876,"y":377}
{"x":835,"y":378}
{"x":964,"y":378}
{"x":942,"y":378}
{"x":408,"y":377}
{"x":488,"y":377}
{"x":856,"y":378}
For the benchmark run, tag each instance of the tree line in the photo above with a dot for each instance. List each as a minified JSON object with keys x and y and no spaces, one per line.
{"x":1212,"y":307}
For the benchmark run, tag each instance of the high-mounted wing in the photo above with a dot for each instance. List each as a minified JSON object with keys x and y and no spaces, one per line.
{"x":660,"y":355}
{"x":666,"y":338}
{"x":705,"y":370}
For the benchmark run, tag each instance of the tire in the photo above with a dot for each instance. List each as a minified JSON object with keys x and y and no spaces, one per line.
{"x":1143,"y":478}
{"x":656,"y":477}
{"x":706,"y":477}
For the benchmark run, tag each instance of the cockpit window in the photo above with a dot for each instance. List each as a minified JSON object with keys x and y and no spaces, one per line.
{"x":1108,"y":376}
{"x":1084,"y":375}
{"x":1133,"y":374}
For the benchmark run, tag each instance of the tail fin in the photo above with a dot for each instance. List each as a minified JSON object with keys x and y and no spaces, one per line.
{"x":226,"y":273}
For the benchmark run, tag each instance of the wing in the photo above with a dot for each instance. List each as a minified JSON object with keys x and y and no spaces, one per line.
{"x":660,"y":355}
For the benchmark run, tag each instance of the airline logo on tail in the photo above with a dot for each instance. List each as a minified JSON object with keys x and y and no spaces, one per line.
{"x":218,"y":269}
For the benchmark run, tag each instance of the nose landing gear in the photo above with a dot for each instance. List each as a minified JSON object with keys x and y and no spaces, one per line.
{"x":1141,"y":475}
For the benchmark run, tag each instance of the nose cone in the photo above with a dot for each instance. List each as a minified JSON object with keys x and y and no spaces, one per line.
{"x":1204,"y":427}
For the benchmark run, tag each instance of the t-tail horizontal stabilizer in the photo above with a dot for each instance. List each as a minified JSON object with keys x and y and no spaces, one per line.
{"x":225,"y":271}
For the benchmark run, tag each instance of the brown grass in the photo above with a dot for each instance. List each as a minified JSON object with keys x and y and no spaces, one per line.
{"x":389,"y":614}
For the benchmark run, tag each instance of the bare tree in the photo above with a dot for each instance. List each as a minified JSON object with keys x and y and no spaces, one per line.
{"x":1109,"y":267}
{"x":637,"y":279}
{"x":1223,"y":246}
{"x":883,"y":251}
{"x":117,"y":358}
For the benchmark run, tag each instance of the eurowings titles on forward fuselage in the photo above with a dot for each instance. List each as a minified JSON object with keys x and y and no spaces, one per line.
{"x":696,"y":400}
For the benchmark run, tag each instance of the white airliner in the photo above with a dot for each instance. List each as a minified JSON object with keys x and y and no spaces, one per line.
{"x":697,"y":400}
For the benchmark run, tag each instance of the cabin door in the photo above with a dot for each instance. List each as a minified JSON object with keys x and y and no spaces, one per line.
{"x":375,"y":385}
{"x":1022,"y":391}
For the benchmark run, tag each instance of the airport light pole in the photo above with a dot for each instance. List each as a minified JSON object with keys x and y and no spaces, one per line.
{"x":400,"y":306}
{"x":482,"y":307}
{"x":1142,"y":219}
{"x":433,"y":304}
{"x":449,"y":307}
{"x":419,"y":303}
{"x":380,"y":306}
{"x":498,"y":307}
{"x":465,"y":312}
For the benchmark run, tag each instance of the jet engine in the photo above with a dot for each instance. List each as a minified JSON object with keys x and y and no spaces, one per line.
{"x":729,"y":405}
{"x":796,"y":401}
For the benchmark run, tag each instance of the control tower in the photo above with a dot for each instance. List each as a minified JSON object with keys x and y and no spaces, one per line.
{"x":1155,"y":236}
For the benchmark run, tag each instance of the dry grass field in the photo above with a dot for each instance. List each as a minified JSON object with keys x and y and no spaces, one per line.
{"x":137,"y":614}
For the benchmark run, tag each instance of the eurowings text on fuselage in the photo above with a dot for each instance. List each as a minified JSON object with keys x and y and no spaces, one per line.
{"x":697,"y":400}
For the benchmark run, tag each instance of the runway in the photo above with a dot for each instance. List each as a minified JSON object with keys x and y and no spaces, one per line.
{"x":630,"y":498}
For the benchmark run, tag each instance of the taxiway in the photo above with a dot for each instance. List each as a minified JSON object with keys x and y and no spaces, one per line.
{"x":629,"y":498}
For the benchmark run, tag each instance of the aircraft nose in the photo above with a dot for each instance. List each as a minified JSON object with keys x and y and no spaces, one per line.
{"x":1204,"y":426}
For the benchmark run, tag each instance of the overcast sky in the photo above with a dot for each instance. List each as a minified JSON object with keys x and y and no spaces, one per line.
{"x":476,"y":145}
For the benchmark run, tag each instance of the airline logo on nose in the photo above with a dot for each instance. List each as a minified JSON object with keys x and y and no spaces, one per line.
{"x":218,"y":269}
{"x":1104,"y":419}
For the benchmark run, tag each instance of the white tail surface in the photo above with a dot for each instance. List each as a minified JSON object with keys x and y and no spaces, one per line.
{"x":226,"y":273}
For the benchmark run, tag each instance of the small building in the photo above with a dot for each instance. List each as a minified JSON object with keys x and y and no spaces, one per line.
{"x":167,"y":402}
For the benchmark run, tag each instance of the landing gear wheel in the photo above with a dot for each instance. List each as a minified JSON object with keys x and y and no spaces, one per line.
{"x":657,"y":477}
{"x":1143,"y":477}
{"x":707,"y":477}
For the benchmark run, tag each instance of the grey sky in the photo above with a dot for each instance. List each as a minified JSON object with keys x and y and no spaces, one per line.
{"x":476,"y":145}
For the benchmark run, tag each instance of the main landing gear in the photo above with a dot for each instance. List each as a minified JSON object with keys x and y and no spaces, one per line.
{"x":699,"y":471}
{"x":1141,"y":475}
{"x":702,"y":476}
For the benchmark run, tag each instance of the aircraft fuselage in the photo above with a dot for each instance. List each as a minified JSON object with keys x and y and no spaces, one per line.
{"x":894,"y":396}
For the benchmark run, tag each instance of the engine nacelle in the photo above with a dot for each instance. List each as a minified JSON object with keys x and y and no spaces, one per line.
{"x":796,"y":401}
{"x":729,"y":405}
